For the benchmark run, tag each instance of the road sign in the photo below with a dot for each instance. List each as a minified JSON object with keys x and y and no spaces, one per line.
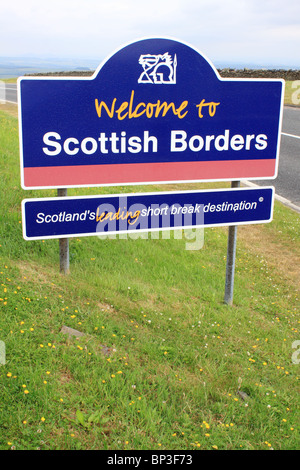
{"x":155,"y":111}
{"x":127,"y":213}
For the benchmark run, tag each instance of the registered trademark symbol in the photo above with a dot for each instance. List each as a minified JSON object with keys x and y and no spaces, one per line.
{"x":261,"y":199}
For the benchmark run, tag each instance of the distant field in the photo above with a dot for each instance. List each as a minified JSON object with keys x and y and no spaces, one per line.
{"x":289,"y":89}
{"x":9,"y":80}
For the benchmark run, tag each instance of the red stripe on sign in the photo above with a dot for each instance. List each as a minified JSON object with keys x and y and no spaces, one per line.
{"x":89,"y":175}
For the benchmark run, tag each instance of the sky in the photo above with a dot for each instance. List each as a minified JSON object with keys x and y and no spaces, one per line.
{"x":261,"y":32}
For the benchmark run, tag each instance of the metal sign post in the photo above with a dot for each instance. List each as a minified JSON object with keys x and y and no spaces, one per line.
{"x":230,"y":264}
{"x":64,"y":257}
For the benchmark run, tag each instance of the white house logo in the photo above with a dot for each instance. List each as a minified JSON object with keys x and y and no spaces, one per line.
{"x":158,"y":69}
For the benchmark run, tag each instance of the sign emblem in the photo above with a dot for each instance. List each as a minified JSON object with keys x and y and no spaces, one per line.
{"x":158,"y":69}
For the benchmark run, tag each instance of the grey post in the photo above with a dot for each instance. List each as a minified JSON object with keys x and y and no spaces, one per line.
{"x":230,"y":264}
{"x":64,"y":258}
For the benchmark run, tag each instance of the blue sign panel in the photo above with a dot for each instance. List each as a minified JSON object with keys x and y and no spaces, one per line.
{"x":124,"y":213}
{"x":155,"y":111}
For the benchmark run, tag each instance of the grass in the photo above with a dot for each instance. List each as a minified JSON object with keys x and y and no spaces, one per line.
{"x":9,"y":80}
{"x":163,"y":363}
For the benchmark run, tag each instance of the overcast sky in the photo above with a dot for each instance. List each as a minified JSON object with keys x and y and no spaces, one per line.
{"x":263,"y":32}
